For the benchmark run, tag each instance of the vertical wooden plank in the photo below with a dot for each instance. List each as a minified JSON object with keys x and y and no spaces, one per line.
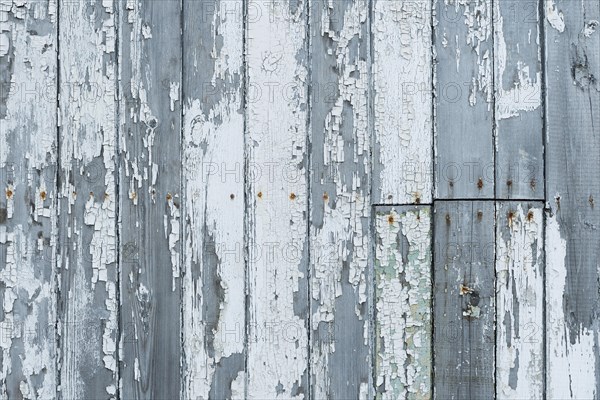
{"x":403,"y":356}
{"x":463,"y":300}
{"x":572,"y":188}
{"x":88,"y":301}
{"x":28,"y":198}
{"x":402,"y":72}
{"x":277,"y":199}
{"x":150,"y":199}
{"x":518,"y":100}
{"x":340,"y":205}
{"x":520,"y":300}
{"x":214,"y":275}
{"x":464,"y":92}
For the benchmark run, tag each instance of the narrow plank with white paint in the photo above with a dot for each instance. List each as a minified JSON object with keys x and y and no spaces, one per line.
{"x":464,"y":307}
{"x":28,"y":199}
{"x":572,"y":37}
{"x":150,"y":198}
{"x":402,"y":111}
{"x":403,"y":323}
{"x":340,"y":199}
{"x":277,"y":200}
{"x":518,"y":100}
{"x":464,"y":149}
{"x":214,"y":322}
{"x":88,"y":321}
{"x":520,"y":300}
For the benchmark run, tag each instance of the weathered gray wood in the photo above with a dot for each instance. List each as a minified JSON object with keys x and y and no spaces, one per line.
{"x":28,"y":199}
{"x":87,"y":184}
{"x":464,"y":161}
{"x":518,"y":100}
{"x":463,"y":300}
{"x":403,"y":356}
{"x":572,"y":188}
{"x":277,"y":199}
{"x":150,"y":197}
{"x":520,"y":300}
{"x":340,"y":203}
{"x":402,"y":111}
{"x":214,"y":276}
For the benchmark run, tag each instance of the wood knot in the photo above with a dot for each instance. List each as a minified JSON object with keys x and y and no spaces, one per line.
{"x":591,"y":201}
{"x":511,"y":215}
{"x":9,"y":193}
{"x":259,"y":195}
{"x":480,"y":184}
{"x":169,"y":197}
{"x":532,"y":183}
{"x":418,"y":198}
{"x":390,"y":219}
{"x":448,"y":219}
{"x":232,"y":196}
{"x":292,"y":196}
{"x":509,"y":183}
{"x":326,"y":196}
{"x":530,"y":216}
{"x":479,"y":215}
{"x":43,"y":195}
{"x":451,"y":183}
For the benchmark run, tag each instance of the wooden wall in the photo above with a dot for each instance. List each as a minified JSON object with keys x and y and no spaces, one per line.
{"x":308,"y":199}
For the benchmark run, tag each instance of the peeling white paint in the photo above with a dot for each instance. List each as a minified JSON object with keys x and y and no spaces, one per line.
{"x":520,"y":303}
{"x":554,"y":16}
{"x":214,"y":158}
{"x":403,"y":100}
{"x":570,"y":366}
{"x":278,"y":337}
{"x":403,"y":305}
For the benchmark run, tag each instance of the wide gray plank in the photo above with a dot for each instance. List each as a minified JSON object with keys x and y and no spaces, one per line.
{"x":150,"y":197}
{"x":340,"y":199}
{"x":277,"y":200}
{"x":28,"y":199}
{"x":463,"y":45}
{"x":463,"y":300}
{"x":572,"y":191}
{"x":518,"y":100}
{"x":87,"y":183}
{"x":214,"y":318}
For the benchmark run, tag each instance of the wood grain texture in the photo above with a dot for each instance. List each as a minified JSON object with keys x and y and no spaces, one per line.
{"x":572,"y":188}
{"x":464,"y":300}
{"x":518,"y":100}
{"x":403,"y":323}
{"x":520,"y":300}
{"x":88,"y":222}
{"x":28,"y":199}
{"x":277,"y":200}
{"x":150,"y":197}
{"x":402,"y":111}
{"x":340,"y":205}
{"x":214,"y":269}
{"x":464,"y":150}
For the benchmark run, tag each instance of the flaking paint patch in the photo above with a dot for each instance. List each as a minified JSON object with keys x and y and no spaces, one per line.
{"x":214,"y":157}
{"x":526,"y":95}
{"x":571,"y":364}
{"x":277,"y":335}
{"x":403,"y":100}
{"x":88,"y":158}
{"x":403,"y":305}
{"x":477,"y":17}
{"x":555,"y":16}
{"x":520,"y":303}
{"x":340,"y":238}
